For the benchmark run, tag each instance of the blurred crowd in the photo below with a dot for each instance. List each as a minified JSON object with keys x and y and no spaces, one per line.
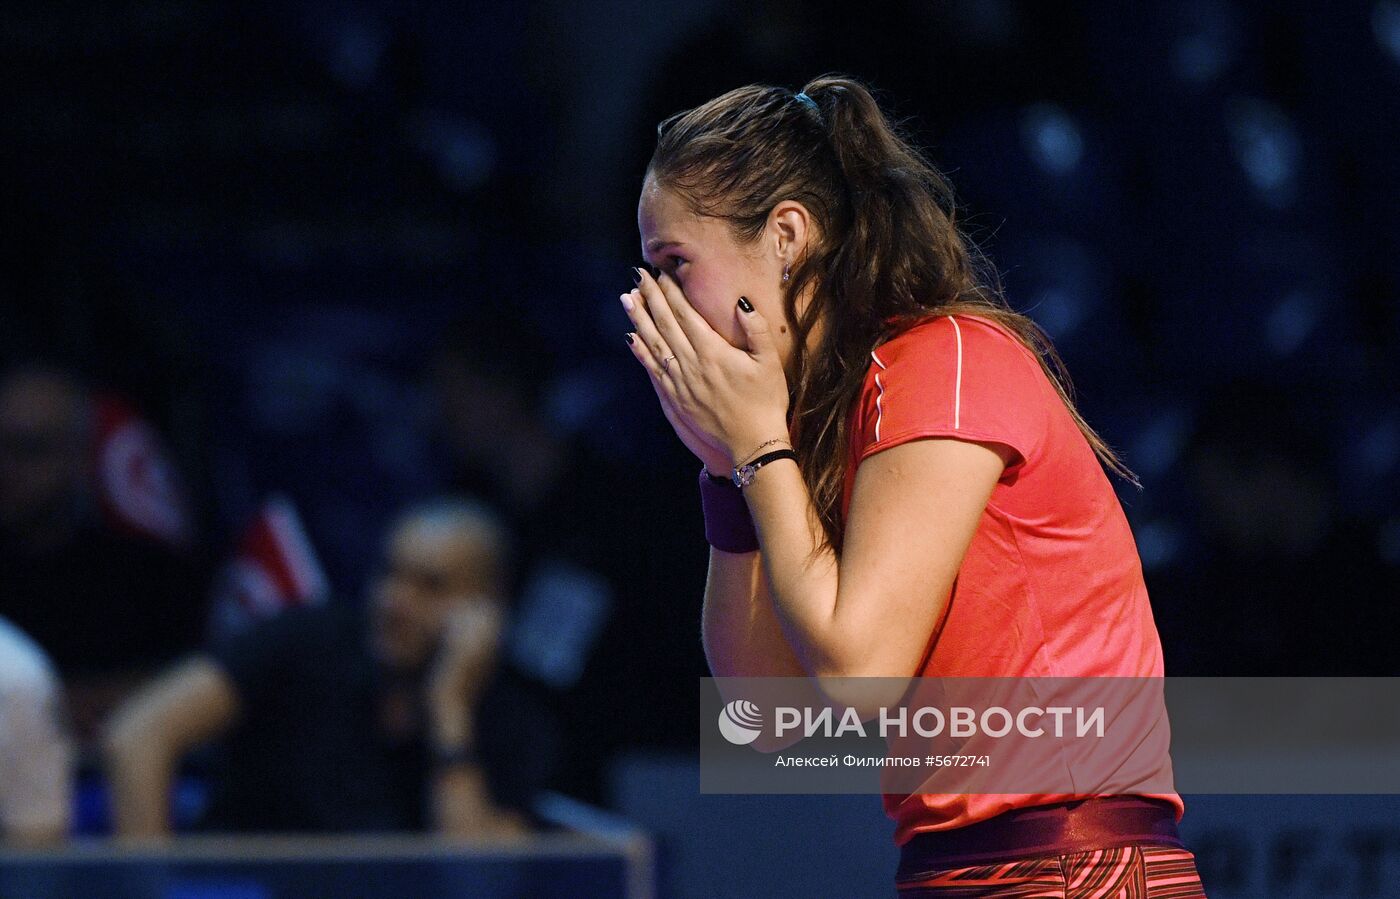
{"x":499,"y":645}
{"x":397,"y":713}
{"x":330,"y":499}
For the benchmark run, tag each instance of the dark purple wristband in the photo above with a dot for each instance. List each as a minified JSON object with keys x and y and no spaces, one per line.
{"x":728,"y":525}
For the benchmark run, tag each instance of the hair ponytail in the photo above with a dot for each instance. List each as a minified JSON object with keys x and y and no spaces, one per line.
{"x":888,"y":255}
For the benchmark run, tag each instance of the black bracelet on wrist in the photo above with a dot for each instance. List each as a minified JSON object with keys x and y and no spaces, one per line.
{"x":744,"y":474}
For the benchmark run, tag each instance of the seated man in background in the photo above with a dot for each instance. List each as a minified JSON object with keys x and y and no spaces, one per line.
{"x":341,"y":719}
{"x":108,"y":608}
{"x":36,"y":759}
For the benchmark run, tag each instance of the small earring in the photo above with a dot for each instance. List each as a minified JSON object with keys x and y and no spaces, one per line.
{"x":785,"y":273}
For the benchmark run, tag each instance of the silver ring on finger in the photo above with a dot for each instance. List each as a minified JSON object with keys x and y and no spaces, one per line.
{"x":666,"y":364}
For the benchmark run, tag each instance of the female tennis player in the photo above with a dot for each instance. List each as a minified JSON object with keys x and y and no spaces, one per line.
{"x":896,"y":481}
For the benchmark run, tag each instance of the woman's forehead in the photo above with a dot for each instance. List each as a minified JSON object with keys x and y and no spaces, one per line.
{"x":659,"y":207}
{"x":664,"y":217}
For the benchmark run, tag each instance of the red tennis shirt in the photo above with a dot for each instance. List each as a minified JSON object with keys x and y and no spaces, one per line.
{"x":1051,"y":585}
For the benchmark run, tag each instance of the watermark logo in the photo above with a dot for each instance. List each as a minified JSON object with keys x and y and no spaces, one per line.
{"x":740,"y":722}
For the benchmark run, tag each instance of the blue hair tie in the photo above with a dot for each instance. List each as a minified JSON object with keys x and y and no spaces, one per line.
{"x":808,"y":101}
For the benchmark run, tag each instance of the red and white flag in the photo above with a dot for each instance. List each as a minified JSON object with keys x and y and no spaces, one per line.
{"x":275,"y":567}
{"x":137,"y":484}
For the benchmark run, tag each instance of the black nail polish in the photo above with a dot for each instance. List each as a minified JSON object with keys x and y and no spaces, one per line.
{"x":745,"y":305}
{"x":636,"y":274}
{"x":628,"y":335}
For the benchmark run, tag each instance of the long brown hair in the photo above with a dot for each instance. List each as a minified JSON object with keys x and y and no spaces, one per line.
{"x":888,"y":253}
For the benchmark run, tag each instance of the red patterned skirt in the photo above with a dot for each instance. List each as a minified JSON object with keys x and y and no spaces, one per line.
{"x":1124,"y":872}
{"x":1123,"y":847}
